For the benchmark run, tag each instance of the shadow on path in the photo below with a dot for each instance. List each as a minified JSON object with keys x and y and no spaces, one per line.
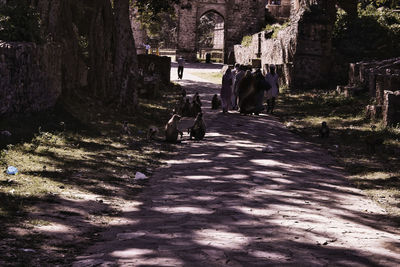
{"x":222,"y":202}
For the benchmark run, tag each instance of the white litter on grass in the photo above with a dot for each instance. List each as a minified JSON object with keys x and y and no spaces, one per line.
{"x":140,"y":176}
{"x":5,"y":133}
{"x":27,"y":250}
{"x":268,"y":149}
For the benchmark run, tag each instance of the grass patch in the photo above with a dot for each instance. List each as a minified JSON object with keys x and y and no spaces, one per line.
{"x":377,"y":172}
{"x":69,"y":160}
{"x":214,"y":77}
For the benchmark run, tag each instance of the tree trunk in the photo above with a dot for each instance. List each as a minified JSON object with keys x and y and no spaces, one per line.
{"x":100,"y":39}
{"x":96,"y":40}
{"x":125,"y":58}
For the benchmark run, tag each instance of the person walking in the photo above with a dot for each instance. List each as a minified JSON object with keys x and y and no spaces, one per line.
{"x":260,"y":86}
{"x":235,"y":71}
{"x":272,"y":79}
{"x":181,"y":66}
{"x":244,"y":89}
{"x":226,"y":90}
{"x":239,"y":76}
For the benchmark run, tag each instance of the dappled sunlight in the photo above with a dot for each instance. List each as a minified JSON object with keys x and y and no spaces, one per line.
{"x":222,"y":201}
{"x":183,"y":209}
{"x":129,"y":253}
{"x":271,"y":163}
{"x":199,"y":177}
{"x":220,"y":239}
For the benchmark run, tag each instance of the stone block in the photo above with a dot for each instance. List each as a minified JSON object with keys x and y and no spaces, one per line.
{"x":350,"y":91}
{"x":372,"y":83}
{"x":354,"y":73}
{"x":391,"y":108}
{"x":374,"y":112}
{"x":340,"y":89}
{"x":380,"y":88}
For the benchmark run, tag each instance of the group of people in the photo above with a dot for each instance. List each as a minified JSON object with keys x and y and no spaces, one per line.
{"x":244,"y":90}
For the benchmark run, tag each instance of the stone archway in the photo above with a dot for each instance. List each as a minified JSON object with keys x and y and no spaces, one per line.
{"x":210,"y":34}
{"x":241,"y":17}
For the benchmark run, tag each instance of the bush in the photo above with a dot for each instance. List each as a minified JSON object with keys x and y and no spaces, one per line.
{"x":246,"y":41}
{"x":19,"y":22}
{"x":275,"y":28}
{"x":374,"y":34}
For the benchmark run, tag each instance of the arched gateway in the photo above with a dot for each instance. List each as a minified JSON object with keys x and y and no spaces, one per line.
{"x":241,"y":17}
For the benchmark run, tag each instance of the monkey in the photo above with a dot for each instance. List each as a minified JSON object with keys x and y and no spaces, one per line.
{"x":195,"y":96}
{"x":186,"y":109}
{"x":198,"y":130}
{"x":125,"y":129}
{"x":152,"y":132}
{"x":195,"y":109}
{"x":197,"y":99}
{"x":171,"y":129}
{"x":215,"y":102}
{"x":183,"y":92}
{"x":324,"y":130}
{"x":180,"y":105}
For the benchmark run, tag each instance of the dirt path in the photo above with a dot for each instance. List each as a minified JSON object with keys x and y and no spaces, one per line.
{"x":222,"y":202}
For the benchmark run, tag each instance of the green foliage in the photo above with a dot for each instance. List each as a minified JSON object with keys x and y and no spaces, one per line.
{"x":158,"y":19}
{"x":246,"y":41}
{"x":19,"y":22}
{"x":150,"y":9}
{"x":380,"y":3}
{"x":374,"y":34}
{"x":275,"y":28}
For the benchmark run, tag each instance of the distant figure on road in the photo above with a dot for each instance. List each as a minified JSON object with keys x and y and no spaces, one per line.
{"x":208,"y":58}
{"x":181,"y":66}
{"x":147,"y":48}
{"x":226,"y":90}
{"x":272,"y":79}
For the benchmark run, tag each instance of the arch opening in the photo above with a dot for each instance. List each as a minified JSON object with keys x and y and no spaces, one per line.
{"x":211,"y":36}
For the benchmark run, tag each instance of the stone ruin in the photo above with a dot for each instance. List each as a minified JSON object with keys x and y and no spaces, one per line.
{"x":382,"y":81}
{"x":240,"y":17}
{"x":301,"y":50}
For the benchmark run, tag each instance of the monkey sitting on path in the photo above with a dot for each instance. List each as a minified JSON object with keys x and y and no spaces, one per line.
{"x":195,"y":109}
{"x":198,"y":130}
{"x":186,"y":109}
{"x":171,"y":129}
{"x":324,"y":130}
{"x":215,"y":102}
{"x":151,"y":133}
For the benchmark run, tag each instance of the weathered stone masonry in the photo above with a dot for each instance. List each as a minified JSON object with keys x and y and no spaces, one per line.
{"x":30,"y":77}
{"x":240,"y":16}
{"x":302,"y":50}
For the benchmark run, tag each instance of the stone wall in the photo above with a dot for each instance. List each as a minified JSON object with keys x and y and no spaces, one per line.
{"x":30,"y":77}
{"x":152,"y":65}
{"x":391,"y":108}
{"x":303,"y":48}
{"x":280,"y":12}
{"x":381,"y":79}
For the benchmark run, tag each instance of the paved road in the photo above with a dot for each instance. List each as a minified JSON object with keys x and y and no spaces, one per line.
{"x":222,"y":202}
